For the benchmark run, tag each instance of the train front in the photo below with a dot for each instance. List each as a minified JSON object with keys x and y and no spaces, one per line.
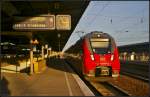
{"x":100,"y":55}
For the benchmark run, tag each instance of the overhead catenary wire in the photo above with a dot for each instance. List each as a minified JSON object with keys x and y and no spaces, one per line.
{"x":111,"y":20}
{"x":98,"y":14}
{"x":119,"y":22}
{"x":125,"y":18}
{"x":131,"y":26}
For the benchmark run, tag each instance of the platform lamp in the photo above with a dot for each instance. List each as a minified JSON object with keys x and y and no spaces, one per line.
{"x":59,"y":35}
{"x":33,"y":43}
{"x":49,"y":51}
{"x":46,"y":48}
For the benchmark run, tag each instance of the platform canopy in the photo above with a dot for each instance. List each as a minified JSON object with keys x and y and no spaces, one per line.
{"x":10,"y":10}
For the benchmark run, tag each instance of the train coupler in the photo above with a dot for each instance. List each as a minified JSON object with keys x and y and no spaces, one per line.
{"x":102,"y":71}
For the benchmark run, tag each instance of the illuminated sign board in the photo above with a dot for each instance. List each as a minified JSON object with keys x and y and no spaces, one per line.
{"x":63,"y":22}
{"x":33,"y":23}
{"x":47,"y":22}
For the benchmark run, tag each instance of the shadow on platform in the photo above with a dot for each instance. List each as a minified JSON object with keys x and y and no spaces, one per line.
{"x":58,"y":64}
{"x":4,"y":87}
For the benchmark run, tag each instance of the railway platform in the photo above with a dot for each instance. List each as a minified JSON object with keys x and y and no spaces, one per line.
{"x":56,"y":80}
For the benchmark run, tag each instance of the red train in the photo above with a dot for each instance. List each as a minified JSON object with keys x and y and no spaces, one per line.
{"x":100,"y":55}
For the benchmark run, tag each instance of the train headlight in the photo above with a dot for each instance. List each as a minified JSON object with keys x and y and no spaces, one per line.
{"x":92,"y":57}
{"x":112,"y":57}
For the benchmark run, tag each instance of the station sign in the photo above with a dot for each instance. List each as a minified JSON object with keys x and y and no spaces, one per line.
{"x":34,"y":23}
{"x":45,"y":22}
{"x":63,"y":22}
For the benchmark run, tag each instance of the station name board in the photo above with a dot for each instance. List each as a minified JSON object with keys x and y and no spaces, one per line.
{"x":62,"y":22}
{"x":31,"y":23}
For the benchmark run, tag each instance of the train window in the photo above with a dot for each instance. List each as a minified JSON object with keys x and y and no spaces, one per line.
{"x":100,"y":44}
{"x":100,"y":50}
{"x":97,"y":39}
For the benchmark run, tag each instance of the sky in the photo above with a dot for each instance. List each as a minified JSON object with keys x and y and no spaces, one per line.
{"x":126,"y":21}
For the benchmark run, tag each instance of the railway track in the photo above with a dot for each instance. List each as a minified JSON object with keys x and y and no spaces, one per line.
{"x":93,"y":89}
{"x":101,"y":88}
{"x":136,"y":76}
{"x":137,"y":70}
{"x":127,"y":84}
{"x":108,"y":89}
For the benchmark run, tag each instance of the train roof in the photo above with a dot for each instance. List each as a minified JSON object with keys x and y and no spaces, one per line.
{"x":97,"y":34}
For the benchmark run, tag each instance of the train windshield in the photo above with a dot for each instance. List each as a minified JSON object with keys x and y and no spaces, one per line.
{"x":100,"y":46}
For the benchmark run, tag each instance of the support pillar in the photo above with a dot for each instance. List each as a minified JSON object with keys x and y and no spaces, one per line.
{"x":42,"y":52}
{"x":31,"y":59}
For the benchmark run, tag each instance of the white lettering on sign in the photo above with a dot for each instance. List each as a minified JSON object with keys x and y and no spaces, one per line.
{"x":40,"y":22}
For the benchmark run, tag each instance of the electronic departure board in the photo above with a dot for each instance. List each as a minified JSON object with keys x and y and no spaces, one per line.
{"x":35,"y":23}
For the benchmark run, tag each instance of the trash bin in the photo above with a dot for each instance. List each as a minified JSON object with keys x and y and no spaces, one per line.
{"x":36,"y":69}
{"x":39,"y":66}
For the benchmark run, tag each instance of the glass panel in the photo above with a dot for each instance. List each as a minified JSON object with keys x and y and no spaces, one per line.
{"x":100,"y":44}
{"x":101,"y":50}
{"x":97,"y":39}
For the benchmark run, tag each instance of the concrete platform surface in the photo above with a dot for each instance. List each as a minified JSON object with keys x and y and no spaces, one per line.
{"x":57,"y":80}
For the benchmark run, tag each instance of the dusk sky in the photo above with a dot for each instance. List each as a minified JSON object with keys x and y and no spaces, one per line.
{"x":126,"y":21}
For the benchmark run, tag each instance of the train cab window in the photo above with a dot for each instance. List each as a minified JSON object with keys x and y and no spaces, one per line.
{"x":100,"y":46}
